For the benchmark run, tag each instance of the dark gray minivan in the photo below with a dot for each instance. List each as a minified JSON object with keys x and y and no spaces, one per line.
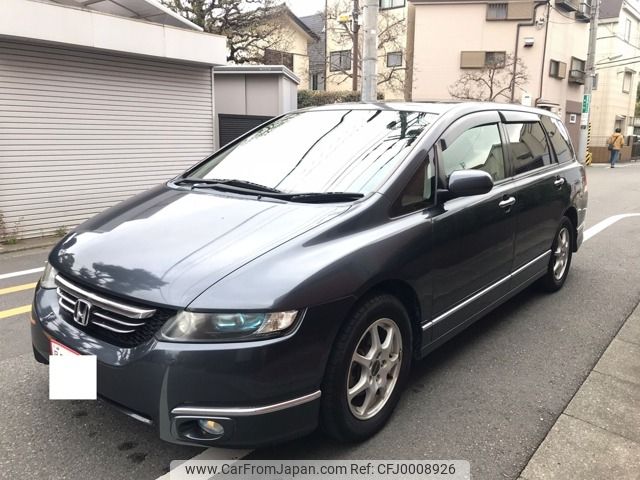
{"x":290,"y":279}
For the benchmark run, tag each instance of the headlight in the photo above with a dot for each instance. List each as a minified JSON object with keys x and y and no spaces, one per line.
{"x":48,"y":276}
{"x":211,"y":327}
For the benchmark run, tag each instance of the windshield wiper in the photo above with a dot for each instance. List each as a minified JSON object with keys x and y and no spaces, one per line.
{"x":250,"y":188}
{"x":212,"y":182}
{"x":322,"y":197}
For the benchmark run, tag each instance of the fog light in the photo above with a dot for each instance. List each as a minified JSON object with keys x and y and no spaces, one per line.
{"x":211,"y":427}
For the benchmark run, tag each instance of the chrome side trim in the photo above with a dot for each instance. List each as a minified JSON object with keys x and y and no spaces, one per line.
{"x":465,"y":303}
{"x":528,"y":264}
{"x":104,"y":303}
{"x":244,"y":411}
{"x":473,"y":298}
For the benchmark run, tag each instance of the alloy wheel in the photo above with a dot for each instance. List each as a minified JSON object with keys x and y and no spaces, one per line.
{"x":375,"y":368}
{"x":561,"y":253}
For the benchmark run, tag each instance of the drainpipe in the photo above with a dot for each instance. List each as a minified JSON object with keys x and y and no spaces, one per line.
{"x":544,"y":54}
{"x":515,"y":55}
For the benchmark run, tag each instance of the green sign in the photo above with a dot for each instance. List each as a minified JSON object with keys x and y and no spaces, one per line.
{"x":586,"y":103}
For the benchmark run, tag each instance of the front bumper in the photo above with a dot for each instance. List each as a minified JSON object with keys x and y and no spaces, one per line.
{"x":262,"y":392}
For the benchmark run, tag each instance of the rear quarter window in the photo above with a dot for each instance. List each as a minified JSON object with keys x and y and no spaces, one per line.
{"x":559,"y":139}
{"x":528,"y":146}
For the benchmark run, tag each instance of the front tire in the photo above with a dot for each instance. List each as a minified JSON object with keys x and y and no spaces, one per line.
{"x":367,"y":369}
{"x":560,"y":261}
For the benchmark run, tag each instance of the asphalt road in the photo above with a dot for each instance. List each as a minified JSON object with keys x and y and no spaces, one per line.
{"x":489,"y":396}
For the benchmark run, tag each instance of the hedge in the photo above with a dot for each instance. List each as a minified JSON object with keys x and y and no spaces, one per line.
{"x":314,"y":98}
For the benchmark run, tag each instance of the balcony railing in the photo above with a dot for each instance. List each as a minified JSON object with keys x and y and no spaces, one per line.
{"x":584,"y":11}
{"x":568,"y":5}
{"x":576,"y":76}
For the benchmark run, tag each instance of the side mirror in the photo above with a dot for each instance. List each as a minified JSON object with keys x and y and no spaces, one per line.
{"x":465,"y":183}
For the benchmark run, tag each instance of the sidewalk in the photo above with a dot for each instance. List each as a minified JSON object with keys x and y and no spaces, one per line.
{"x":598,"y":434}
{"x":29,"y":244}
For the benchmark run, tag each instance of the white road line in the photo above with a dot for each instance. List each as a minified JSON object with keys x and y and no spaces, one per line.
{"x":606,"y":223}
{"x":20,"y":273}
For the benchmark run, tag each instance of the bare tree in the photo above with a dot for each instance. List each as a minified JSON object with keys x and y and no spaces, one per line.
{"x":493,"y":82}
{"x":391,"y":35}
{"x":251,"y":26}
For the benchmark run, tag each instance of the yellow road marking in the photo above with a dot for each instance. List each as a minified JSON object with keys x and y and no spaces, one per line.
{"x":17,"y":288}
{"x":15,"y":311}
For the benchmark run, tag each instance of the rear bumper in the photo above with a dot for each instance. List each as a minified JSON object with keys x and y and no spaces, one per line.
{"x":261,"y":392}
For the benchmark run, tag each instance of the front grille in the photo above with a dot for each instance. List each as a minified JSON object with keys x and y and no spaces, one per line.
{"x":109,"y":319}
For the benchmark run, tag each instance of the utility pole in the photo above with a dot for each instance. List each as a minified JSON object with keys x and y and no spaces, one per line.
{"x":588,"y":81}
{"x":356,"y":48}
{"x":370,"y":51}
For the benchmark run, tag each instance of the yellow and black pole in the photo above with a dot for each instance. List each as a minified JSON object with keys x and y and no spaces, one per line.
{"x":588,"y":158}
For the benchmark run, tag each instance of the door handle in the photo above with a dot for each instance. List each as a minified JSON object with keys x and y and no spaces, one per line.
{"x":559,"y":181}
{"x":507,"y":202}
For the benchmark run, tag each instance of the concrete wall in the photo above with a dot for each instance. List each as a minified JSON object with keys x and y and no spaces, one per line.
{"x":32,"y":20}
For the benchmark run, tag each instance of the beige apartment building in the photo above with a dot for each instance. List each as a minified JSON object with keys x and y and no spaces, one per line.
{"x":392,"y":54}
{"x":289,"y":46}
{"x":614,"y":96}
{"x":453,"y":38}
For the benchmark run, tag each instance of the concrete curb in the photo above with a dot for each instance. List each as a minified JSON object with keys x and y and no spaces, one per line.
{"x":29,"y":244}
{"x":598,"y":434}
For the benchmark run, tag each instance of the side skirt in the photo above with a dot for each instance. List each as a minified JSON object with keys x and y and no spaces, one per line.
{"x":430,"y":347}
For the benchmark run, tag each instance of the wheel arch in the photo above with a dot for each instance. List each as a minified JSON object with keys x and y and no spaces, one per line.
{"x":408,"y":297}
{"x":572,"y":214}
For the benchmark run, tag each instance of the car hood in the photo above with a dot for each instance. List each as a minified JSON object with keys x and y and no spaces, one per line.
{"x":167,"y":246}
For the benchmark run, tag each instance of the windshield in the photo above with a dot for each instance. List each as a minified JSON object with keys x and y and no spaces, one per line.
{"x":321,"y":151}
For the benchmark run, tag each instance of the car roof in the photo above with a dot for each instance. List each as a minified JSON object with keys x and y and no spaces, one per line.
{"x":437,"y":108}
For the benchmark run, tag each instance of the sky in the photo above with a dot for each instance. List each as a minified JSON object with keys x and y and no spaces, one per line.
{"x":305,"y":7}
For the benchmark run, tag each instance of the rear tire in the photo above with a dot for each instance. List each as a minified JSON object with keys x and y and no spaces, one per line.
{"x":367,"y":370}
{"x":560,"y":261}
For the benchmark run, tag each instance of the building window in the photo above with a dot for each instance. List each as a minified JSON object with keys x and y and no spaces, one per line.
{"x":276,"y":57}
{"x":340,"y":61}
{"x":577,"y":73}
{"x":596,"y":77}
{"x":627,"y":29}
{"x":495,"y":59}
{"x":314,"y":81}
{"x":627,"y":80}
{"x":482,"y":59}
{"x":387,"y":4}
{"x":557,"y":69}
{"x":497,"y":11}
{"x":394,"y":59}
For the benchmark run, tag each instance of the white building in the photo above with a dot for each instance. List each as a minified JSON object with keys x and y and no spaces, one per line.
{"x":614,"y":98}
{"x":97,"y":103}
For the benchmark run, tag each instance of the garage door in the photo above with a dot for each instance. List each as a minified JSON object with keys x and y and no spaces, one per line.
{"x":233,"y":126}
{"x":81,"y":131}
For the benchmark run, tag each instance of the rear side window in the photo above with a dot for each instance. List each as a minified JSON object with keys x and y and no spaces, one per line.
{"x":528,"y":146}
{"x":559,"y":139}
{"x":477,"y":148}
